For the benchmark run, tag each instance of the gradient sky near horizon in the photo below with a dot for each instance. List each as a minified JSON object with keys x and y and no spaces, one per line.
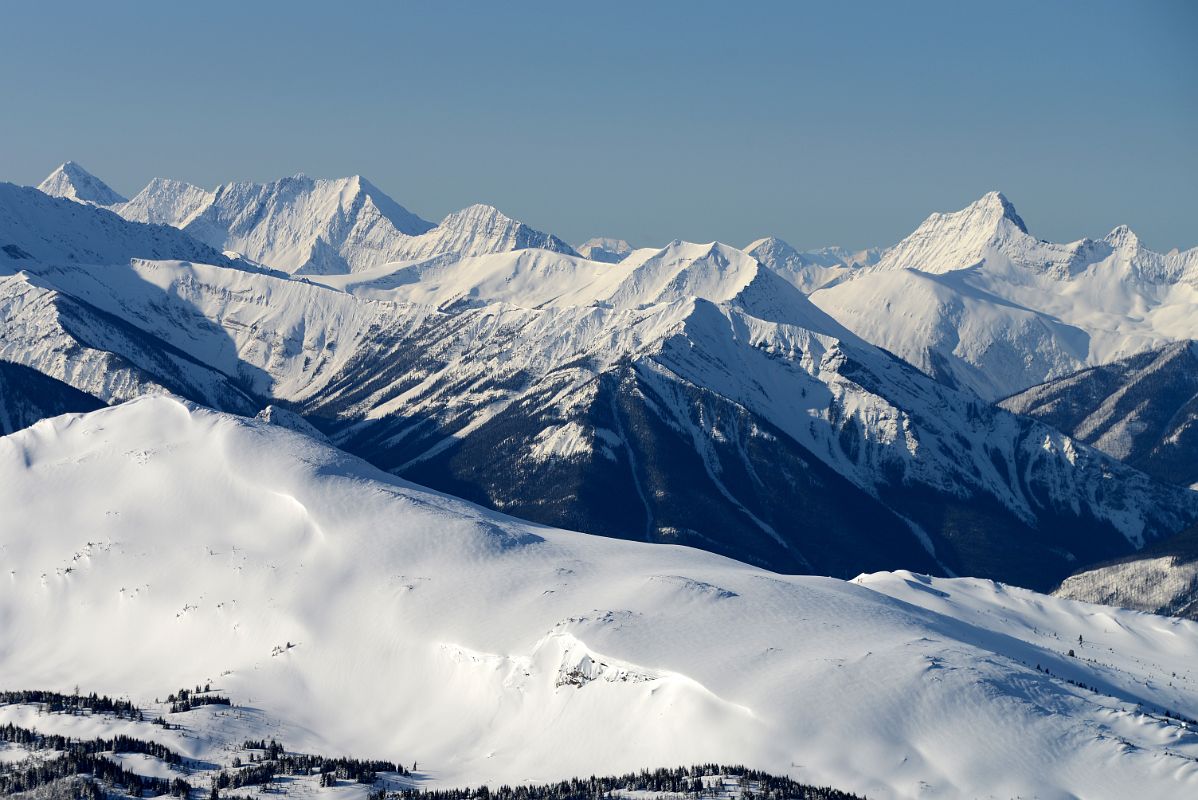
{"x":822,"y":123}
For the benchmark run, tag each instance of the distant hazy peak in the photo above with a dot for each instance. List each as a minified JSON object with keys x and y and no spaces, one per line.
{"x":605,"y":249}
{"x":73,"y":182}
{"x":772,"y":246}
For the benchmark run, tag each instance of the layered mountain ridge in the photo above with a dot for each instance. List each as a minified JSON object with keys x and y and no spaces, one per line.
{"x":693,"y":385}
{"x":307,"y":226}
{"x":282,"y":358}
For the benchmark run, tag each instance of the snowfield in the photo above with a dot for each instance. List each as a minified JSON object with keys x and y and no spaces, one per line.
{"x":157,"y":544}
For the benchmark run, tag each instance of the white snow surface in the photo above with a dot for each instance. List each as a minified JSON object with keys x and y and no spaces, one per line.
{"x":195,"y":544}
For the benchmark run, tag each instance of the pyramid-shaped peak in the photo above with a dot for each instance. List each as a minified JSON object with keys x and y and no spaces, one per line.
{"x":1122,"y":237}
{"x":73,"y":182}
{"x":478,"y":212}
{"x":772,"y":249}
{"x":996,"y":203}
{"x":769,"y":242}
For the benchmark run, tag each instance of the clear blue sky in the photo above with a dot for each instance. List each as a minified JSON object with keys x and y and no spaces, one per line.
{"x":822,"y":123}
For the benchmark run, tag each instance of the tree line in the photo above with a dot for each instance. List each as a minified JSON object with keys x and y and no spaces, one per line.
{"x":35,"y":740}
{"x":677,"y":780}
{"x":276,"y":761}
{"x":75,"y":703}
{"x":85,"y":757}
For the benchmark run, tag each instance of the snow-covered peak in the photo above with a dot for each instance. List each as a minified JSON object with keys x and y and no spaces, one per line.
{"x":301,"y":224}
{"x":996,"y":203}
{"x":683,"y":270}
{"x":774,"y":252}
{"x":946,"y":242}
{"x":607,"y":250}
{"x":1123,"y":238}
{"x":474,"y":231}
{"x":972,"y":299}
{"x":73,"y":182}
{"x":327,"y":226}
{"x":165,"y":201}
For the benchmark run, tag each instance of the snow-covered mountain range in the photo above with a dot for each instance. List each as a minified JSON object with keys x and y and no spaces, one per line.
{"x":307,"y":226}
{"x":689,"y":394}
{"x":976,"y":301}
{"x":282,"y":358}
{"x":307,"y":586}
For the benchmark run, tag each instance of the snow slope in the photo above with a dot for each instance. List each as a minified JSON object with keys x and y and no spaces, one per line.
{"x":198,"y":545}
{"x":474,"y":231}
{"x":975,"y":300}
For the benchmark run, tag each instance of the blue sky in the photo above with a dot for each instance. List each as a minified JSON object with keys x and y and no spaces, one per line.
{"x":821,"y":123}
